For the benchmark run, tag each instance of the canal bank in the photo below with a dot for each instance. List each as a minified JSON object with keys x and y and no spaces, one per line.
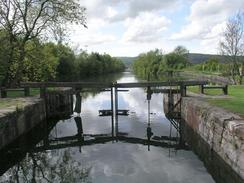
{"x":23,"y":114}
{"x":216,"y":136}
{"x":206,"y":77}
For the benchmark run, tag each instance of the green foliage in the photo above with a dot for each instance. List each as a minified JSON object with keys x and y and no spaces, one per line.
{"x":175,"y":61}
{"x":3,"y":55}
{"x":25,"y":22}
{"x":40,"y":62}
{"x":154,"y":63}
{"x":49,"y":61}
{"x":96,"y":64}
{"x":213,"y":65}
{"x":148,"y":64}
{"x":66,"y":69}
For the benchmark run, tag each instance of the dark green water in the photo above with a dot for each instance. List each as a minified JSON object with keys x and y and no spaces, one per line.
{"x":90,"y":148}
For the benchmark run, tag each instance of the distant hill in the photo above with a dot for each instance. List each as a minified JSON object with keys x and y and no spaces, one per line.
{"x":127,"y":60}
{"x":194,"y":58}
{"x":197,"y":58}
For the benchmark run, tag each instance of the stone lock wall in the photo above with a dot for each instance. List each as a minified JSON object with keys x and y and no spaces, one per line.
{"x":16,"y":121}
{"x":217,"y":136}
{"x":19,"y":120}
{"x":221,"y":130}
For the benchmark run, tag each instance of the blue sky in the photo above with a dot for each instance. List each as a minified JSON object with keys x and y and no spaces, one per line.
{"x":130,"y":27}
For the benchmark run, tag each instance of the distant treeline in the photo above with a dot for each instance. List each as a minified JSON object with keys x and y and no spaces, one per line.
{"x":155,"y":63}
{"x":53,"y":62}
{"x":193,"y":58}
{"x":128,"y":61}
{"x":84,"y":65}
{"x":212,"y":65}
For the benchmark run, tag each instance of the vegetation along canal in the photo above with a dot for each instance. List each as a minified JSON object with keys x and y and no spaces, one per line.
{"x":87,"y":147}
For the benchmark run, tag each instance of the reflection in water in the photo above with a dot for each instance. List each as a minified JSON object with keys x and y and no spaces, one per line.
{"x":77,"y":108}
{"x":41,"y":167}
{"x":149,"y":129}
{"x":80,"y":136}
{"x":111,"y":150}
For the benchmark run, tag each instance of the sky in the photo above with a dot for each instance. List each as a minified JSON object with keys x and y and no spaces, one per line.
{"x":131,"y":27}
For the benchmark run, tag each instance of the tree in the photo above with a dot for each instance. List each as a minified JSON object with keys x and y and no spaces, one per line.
{"x":66,"y":69}
{"x":175,"y":61}
{"x":40,"y":62}
{"x":25,"y":20}
{"x":4,"y":48}
{"x":147,"y":64}
{"x":232,"y":44}
{"x":181,"y":50}
{"x":211,"y":65}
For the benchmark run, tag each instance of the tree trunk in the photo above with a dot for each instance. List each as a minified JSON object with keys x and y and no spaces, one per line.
{"x":7,"y":79}
{"x":20,"y":68}
{"x":233,"y":74}
{"x":241,"y":74}
{"x":240,"y":81}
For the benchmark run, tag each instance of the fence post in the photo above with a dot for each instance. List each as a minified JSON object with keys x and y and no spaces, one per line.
{"x":3,"y":93}
{"x":43,"y":92}
{"x":27,"y":91}
{"x":183,"y":90}
{"x":225,"y":90}
{"x":201,"y":88}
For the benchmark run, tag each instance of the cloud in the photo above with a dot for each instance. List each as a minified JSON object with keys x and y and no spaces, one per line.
{"x":98,"y":39}
{"x":119,"y":10}
{"x":136,"y":7}
{"x":130,"y":27}
{"x":93,"y":35}
{"x":205,"y":16}
{"x":206,"y":23}
{"x":96,"y":8}
{"x":142,"y":21}
{"x":147,"y":6}
{"x":147,"y":27}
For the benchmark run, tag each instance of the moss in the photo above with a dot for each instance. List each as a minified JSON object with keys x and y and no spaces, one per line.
{"x":6,"y":103}
{"x":19,"y":107}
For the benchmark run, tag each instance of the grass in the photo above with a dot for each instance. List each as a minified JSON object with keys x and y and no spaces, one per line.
{"x":10,"y":102}
{"x":12,"y":98}
{"x":194,"y":71}
{"x":16,"y":94}
{"x":195,"y":89}
{"x":234,"y":104}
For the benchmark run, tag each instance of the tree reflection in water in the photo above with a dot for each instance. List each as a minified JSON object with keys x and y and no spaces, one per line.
{"x":51,"y":166}
{"x":47,"y":167}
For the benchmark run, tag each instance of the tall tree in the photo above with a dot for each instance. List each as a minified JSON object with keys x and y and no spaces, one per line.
{"x":232,"y":44}
{"x":181,"y":50}
{"x":25,"y":20}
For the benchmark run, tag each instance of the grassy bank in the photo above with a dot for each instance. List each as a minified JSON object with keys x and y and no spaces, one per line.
{"x":234,"y":104}
{"x":13,"y":96}
{"x":16,"y":94}
{"x":10,"y":102}
{"x":194,"y":71}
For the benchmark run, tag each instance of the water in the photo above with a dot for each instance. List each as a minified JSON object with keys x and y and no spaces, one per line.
{"x":104,"y":154}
